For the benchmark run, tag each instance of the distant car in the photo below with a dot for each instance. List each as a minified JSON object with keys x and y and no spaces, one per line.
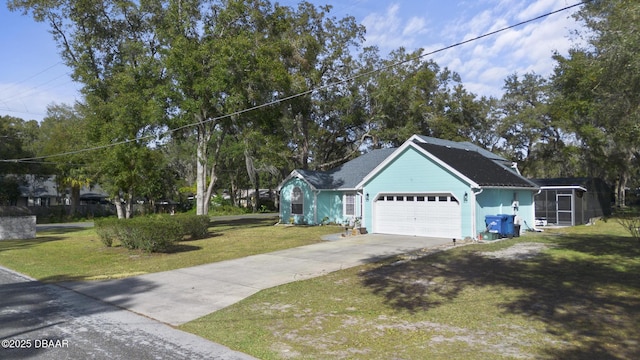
{"x":541,"y":222}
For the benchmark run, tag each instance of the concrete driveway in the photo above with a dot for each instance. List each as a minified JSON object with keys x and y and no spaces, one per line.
{"x":45,"y":321}
{"x":179,"y":296}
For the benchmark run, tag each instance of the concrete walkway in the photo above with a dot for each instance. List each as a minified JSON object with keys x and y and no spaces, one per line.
{"x":179,"y":296}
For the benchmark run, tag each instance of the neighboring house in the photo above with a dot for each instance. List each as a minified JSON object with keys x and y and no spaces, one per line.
{"x":426,"y":187}
{"x":43,"y":191}
{"x":39,"y":191}
{"x":245,"y":196}
{"x":571,"y":201}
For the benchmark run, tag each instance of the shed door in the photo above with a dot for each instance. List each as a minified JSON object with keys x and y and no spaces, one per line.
{"x":564,"y":209}
{"x":433,"y":215}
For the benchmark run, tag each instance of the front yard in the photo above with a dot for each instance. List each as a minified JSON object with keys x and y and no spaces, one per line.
{"x":78,"y":254}
{"x":569,"y":294}
{"x":562,"y":294}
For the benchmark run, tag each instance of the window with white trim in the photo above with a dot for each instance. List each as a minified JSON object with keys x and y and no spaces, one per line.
{"x":350,"y":204}
{"x":297,"y":201}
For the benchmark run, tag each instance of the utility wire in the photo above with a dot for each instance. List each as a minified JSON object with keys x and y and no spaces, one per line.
{"x":30,"y":90}
{"x":307,"y":92}
{"x":36,"y":74}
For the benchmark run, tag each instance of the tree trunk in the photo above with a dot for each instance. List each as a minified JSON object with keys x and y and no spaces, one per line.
{"x":253,"y":178}
{"x":213,"y":175}
{"x":202,"y":202}
{"x":129,"y":205}
{"x":256,"y":194}
{"x":234,"y":192}
{"x":75,"y":199}
{"x":303,"y":127}
{"x":119,"y":208}
{"x":213,"y":178}
{"x":621,"y":184}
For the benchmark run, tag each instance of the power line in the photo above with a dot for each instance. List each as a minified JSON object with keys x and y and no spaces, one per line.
{"x":307,"y":92}
{"x":36,"y":74}
{"x":30,"y":90}
{"x":19,"y":94}
{"x":8,"y":109}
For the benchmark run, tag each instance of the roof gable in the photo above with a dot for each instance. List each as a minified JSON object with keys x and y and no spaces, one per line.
{"x":472,"y":164}
{"x":477,"y":167}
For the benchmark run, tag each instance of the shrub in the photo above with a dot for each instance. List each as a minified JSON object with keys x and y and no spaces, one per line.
{"x":630,"y":220}
{"x":107,"y":230}
{"x":228,"y":210}
{"x":152,"y":233}
{"x":267,"y":206}
{"x":195,"y":226}
{"x":155,"y":234}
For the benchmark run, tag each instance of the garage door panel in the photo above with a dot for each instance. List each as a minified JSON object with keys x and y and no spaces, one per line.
{"x":436,"y":215}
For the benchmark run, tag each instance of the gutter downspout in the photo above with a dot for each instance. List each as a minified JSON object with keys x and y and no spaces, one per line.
{"x":474,"y":225}
{"x":533,"y":221}
{"x":361,"y":208}
{"x":315,"y":206}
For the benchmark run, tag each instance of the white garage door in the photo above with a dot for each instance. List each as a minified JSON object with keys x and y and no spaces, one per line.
{"x":435,"y":215}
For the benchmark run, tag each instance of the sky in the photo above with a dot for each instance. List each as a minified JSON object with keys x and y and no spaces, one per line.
{"x":32,"y":75}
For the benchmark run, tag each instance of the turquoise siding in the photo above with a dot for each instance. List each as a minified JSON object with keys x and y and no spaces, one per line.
{"x":410,"y":172}
{"x":500,"y":201}
{"x":309,"y":205}
{"x":324,"y":206}
{"x":330,"y":206}
{"x":413,"y":172}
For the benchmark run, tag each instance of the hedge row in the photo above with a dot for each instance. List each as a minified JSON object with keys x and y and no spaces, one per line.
{"x":153,"y":233}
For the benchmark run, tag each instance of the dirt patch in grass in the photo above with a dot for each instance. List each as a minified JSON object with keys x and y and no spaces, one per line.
{"x":334,"y":343}
{"x":520,"y":251}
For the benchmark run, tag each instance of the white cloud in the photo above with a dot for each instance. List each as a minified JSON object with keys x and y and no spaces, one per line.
{"x":478,"y":25}
{"x":537,"y":8}
{"x":482,"y":89}
{"x":388,"y":32}
{"x":485,"y":63}
{"x":505,"y":41}
{"x":494,"y":75}
{"x":30,"y":102}
{"x":415,"y":26}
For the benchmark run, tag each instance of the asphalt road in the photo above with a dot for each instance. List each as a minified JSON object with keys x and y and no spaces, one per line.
{"x":40,"y":321}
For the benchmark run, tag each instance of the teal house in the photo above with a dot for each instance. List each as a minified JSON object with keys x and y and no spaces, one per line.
{"x":425,"y":187}
{"x":317,"y":197}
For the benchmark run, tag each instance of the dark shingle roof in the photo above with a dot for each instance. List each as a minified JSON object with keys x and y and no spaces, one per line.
{"x":462,"y":145}
{"x":349,"y":174}
{"x":477,"y":167}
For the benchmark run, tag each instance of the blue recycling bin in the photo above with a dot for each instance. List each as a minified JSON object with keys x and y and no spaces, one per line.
{"x":495,"y":223}
{"x":508,"y":228}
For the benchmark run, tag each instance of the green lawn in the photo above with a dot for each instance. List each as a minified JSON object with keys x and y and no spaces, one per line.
{"x":576,"y":297}
{"x":78,"y":254}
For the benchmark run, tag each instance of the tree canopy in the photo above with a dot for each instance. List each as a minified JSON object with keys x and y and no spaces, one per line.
{"x":599,"y":91}
{"x":202,"y":95}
